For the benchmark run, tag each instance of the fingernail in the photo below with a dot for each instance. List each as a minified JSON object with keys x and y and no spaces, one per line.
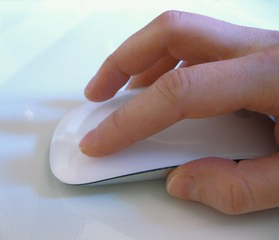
{"x":89,"y":86}
{"x":182,"y":186}
{"x":87,"y":142}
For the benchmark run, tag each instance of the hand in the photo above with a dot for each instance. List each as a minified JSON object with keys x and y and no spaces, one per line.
{"x":225,"y":68}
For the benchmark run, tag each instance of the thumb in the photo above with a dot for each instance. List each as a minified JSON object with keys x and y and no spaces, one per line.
{"x":230,"y":187}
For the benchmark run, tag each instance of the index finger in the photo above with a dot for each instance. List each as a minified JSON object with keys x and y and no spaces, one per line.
{"x":198,"y":91}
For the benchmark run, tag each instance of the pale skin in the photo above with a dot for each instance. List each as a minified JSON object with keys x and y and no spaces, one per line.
{"x":225,"y":68}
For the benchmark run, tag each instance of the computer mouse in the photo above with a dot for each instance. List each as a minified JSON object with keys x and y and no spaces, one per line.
{"x":238,"y":135}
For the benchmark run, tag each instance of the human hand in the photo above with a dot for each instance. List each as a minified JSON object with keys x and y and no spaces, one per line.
{"x":226,"y":68}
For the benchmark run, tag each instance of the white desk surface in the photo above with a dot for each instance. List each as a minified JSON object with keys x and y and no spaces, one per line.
{"x":48,"y":52}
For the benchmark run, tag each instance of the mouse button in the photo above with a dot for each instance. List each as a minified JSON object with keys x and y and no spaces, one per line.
{"x":60,"y":151}
{"x":92,"y":119}
{"x":94,"y":113}
{"x":196,"y":131}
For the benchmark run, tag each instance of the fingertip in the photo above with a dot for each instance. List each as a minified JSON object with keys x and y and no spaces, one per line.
{"x":89,"y":92}
{"x":90,"y":146}
{"x":92,"y":151}
{"x":98,"y":96}
{"x":97,"y":143}
{"x":90,"y":85}
{"x":95,"y":93}
{"x":106,"y":82}
{"x":86,"y":143}
{"x":182,"y":186}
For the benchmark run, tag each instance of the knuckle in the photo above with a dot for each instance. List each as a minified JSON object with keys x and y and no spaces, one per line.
{"x":117,"y":124}
{"x":111,"y":59}
{"x":173,"y":19}
{"x":270,"y":56}
{"x":237,"y":198}
{"x":174,"y":86}
{"x":266,"y":86}
{"x":114,"y":60}
{"x":170,"y":16}
{"x":234,"y":200}
{"x":173,"y":23}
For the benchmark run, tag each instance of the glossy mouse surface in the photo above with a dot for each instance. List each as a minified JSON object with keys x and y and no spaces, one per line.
{"x":238,"y":135}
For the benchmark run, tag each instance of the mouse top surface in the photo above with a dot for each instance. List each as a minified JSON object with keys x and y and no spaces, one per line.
{"x":239,"y":135}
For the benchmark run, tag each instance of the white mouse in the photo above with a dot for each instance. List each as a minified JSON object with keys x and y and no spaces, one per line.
{"x":238,"y":135}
